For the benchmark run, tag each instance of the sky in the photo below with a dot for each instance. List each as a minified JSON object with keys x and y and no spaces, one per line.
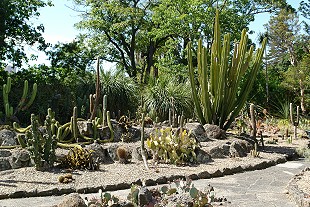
{"x":59,"y":23}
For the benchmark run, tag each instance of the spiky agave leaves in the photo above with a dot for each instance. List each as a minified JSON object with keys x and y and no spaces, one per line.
{"x":220,"y":97}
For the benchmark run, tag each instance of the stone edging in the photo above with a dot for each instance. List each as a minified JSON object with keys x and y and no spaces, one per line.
{"x":150,"y":182}
{"x":296,"y":194}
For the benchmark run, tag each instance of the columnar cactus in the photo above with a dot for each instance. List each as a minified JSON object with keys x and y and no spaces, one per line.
{"x":74,"y":127}
{"x":253,"y":121}
{"x":104,"y":111}
{"x":41,"y":148}
{"x":221,"y":98}
{"x":293,"y":121}
{"x":22,"y":105}
{"x":142,"y":143}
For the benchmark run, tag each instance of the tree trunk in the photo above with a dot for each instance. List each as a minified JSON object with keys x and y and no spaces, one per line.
{"x":149,"y":59}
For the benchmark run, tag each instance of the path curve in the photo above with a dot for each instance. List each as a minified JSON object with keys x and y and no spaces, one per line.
{"x":259,"y":188}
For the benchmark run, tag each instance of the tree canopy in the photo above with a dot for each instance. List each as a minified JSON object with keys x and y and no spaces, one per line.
{"x":16,"y":29}
{"x":138,"y":33}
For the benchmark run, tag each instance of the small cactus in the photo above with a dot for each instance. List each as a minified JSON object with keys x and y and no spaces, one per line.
{"x":122,"y":155}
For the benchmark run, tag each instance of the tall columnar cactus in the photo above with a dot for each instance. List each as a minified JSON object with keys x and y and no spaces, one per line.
{"x":104,"y":110}
{"x":253,"y":121}
{"x":41,"y":147}
{"x":221,"y":97}
{"x":23,"y":103}
{"x":74,"y":127}
{"x":293,"y":121}
{"x":142,"y":143}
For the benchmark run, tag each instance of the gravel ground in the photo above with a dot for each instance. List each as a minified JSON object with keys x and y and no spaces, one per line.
{"x":15,"y":183}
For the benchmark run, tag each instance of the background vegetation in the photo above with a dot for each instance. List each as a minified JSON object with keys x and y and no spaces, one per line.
{"x":147,"y":39}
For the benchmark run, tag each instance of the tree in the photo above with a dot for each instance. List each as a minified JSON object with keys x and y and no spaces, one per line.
{"x":138,"y":34}
{"x":285,"y":40}
{"x":70,"y":56}
{"x":16,"y":29}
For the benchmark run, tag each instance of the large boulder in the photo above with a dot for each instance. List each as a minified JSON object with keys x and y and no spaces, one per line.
{"x":4,"y":164}
{"x":197,"y":130}
{"x":7,"y":138}
{"x":214,"y":132}
{"x":239,"y":148}
{"x":219,"y":151}
{"x":202,"y":156}
{"x":97,"y":152}
{"x":20,"y":158}
{"x":72,"y":200}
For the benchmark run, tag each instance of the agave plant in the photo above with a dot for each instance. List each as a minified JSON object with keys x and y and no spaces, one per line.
{"x":219,"y":97}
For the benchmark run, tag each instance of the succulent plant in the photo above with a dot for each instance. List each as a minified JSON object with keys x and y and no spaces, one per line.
{"x":173,"y":148}
{"x":79,"y":158}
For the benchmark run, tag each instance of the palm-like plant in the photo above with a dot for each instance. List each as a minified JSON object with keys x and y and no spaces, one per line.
{"x":219,"y":97}
{"x":121,"y":91}
{"x":166,"y":93}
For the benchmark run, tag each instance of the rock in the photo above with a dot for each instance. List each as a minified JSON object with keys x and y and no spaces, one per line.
{"x":98,"y":152}
{"x":144,"y":196}
{"x":5,"y":153}
{"x":220,"y":151}
{"x":197,"y":130}
{"x":136,"y":154}
{"x":20,"y":158}
{"x":214,"y":132}
{"x":7,"y":138}
{"x":4,"y":164}
{"x":239,"y":148}
{"x":202,"y":156}
{"x":111,"y":151}
{"x":179,"y":200}
{"x":72,"y":200}
{"x":135,"y":133}
{"x":85,"y":128}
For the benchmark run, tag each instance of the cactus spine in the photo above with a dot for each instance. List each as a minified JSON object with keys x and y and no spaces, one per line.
{"x":293,"y":121}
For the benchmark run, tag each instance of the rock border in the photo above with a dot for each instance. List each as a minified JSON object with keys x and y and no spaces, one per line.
{"x":151,"y":182}
{"x":301,"y":198}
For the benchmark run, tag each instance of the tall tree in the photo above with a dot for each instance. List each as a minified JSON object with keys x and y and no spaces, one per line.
{"x":284,"y":33}
{"x":138,"y":33}
{"x":16,"y":31}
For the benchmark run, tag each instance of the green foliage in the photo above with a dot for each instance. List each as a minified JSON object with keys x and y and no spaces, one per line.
{"x":106,"y":199}
{"x":24,"y":103}
{"x":41,"y":146}
{"x":16,"y":29}
{"x":167,"y":93}
{"x":304,"y":152}
{"x":79,"y":158}
{"x":141,"y":34}
{"x":219,"y":99}
{"x":176,"y":148}
{"x":121,"y":91}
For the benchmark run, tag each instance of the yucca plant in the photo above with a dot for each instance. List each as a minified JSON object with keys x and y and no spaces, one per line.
{"x":219,"y":97}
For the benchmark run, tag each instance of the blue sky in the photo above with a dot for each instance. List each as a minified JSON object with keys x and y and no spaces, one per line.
{"x":59,"y":23}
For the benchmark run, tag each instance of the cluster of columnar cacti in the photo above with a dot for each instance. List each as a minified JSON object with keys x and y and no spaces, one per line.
{"x":41,"y":147}
{"x":221,"y":98}
{"x":24,"y":102}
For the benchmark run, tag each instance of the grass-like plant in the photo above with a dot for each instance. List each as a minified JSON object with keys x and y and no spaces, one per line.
{"x":219,"y":96}
{"x":167,"y":93}
{"x":121,"y":91}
